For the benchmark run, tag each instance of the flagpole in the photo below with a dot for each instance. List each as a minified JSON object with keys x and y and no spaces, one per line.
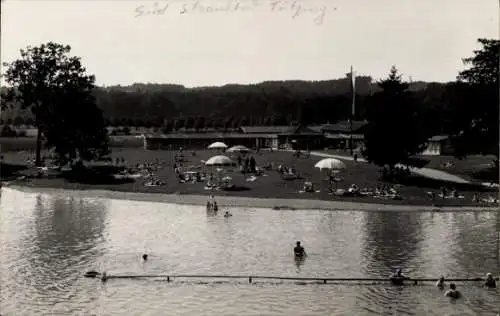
{"x":353,"y":109}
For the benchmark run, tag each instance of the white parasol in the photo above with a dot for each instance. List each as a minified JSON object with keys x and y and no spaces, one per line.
{"x":219,"y":161}
{"x":238,"y":149}
{"x":217,"y":145}
{"x":330,"y":163}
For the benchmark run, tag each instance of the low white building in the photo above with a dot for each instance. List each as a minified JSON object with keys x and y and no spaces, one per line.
{"x":438,"y":145}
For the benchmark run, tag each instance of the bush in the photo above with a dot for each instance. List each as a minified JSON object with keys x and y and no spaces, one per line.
{"x":7,"y":131}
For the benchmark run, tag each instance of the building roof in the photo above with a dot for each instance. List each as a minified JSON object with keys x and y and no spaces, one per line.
{"x":316,"y":128}
{"x":214,"y":136}
{"x":343,"y":126}
{"x":206,"y":130}
{"x":344,"y":136}
{"x":438,"y":138}
{"x":307,"y":130}
{"x":279,"y":130}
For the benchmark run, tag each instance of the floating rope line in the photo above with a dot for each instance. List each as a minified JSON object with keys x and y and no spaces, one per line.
{"x":105,"y":277}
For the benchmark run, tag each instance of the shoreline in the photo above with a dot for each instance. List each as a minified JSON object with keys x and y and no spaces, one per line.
{"x":248,"y":202}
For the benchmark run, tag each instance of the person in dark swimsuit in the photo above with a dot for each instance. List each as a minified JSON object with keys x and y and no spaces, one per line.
{"x":452,"y":292}
{"x":440,"y":283}
{"x":490,"y":281}
{"x":299,"y":251}
{"x":398,"y":278}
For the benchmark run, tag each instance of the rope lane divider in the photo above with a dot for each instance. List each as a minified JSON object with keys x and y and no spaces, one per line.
{"x":104,"y":277}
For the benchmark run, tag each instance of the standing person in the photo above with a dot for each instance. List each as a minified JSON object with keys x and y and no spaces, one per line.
{"x":331,"y":176}
{"x":247,"y":163}
{"x":252,"y":164}
{"x":299,"y":251}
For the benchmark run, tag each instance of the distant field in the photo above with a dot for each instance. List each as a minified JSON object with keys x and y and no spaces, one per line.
{"x":8,"y":144}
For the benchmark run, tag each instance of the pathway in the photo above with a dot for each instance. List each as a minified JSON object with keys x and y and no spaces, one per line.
{"x":425,"y":172}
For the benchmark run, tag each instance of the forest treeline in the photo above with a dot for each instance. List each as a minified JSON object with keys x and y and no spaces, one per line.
{"x":72,"y":113}
{"x":267,"y":103}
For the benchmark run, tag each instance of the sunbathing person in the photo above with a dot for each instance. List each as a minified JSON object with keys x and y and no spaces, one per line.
{"x":308,"y":187}
{"x":354,"y":189}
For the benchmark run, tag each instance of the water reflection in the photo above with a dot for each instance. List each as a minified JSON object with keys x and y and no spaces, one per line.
{"x":392,"y":240}
{"x":47,"y":242}
{"x":67,"y":233}
{"x":299,"y":262}
{"x":476,"y":239}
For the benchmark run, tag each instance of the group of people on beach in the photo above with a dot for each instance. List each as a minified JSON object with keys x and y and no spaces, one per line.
{"x":398,"y":278}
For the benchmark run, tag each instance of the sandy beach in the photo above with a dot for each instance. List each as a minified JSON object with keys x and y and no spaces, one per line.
{"x":244,"y":202}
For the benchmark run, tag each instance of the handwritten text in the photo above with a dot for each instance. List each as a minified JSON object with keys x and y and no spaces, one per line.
{"x":317,"y":10}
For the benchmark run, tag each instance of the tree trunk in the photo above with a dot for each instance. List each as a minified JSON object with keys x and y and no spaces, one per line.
{"x":38,"y":160}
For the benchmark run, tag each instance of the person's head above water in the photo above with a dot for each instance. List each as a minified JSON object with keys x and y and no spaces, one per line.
{"x":489,"y":276}
{"x":452,"y":286}
{"x":441,"y":279}
{"x":144,"y":257}
{"x":398,"y":271}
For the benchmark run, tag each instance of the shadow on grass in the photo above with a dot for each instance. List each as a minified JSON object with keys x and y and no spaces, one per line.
{"x":486,"y":175}
{"x":10,"y":170}
{"x":418,"y":162}
{"x":237,"y":188}
{"x":429,"y":183}
{"x":96,"y":175}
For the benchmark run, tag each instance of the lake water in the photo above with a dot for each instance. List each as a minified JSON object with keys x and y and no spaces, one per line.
{"x":48,"y":242}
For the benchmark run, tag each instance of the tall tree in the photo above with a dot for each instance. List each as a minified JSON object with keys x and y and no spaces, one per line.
{"x":394,"y":131}
{"x":54,"y":86}
{"x":475,"y":104}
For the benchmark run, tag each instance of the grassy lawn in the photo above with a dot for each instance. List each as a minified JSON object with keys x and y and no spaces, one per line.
{"x":475,"y":168}
{"x":414,"y":190}
{"x":10,"y":144}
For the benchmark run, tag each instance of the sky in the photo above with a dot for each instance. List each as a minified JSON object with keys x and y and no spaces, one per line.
{"x":192,"y":43}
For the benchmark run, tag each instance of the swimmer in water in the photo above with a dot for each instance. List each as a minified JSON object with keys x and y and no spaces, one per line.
{"x":144,"y":257}
{"x":440,"y":283}
{"x":104,"y":277}
{"x":452,"y":292}
{"x":490,"y":281}
{"x":215,"y":206}
{"x":227,"y":214}
{"x":299,"y":251}
{"x":398,"y":278}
